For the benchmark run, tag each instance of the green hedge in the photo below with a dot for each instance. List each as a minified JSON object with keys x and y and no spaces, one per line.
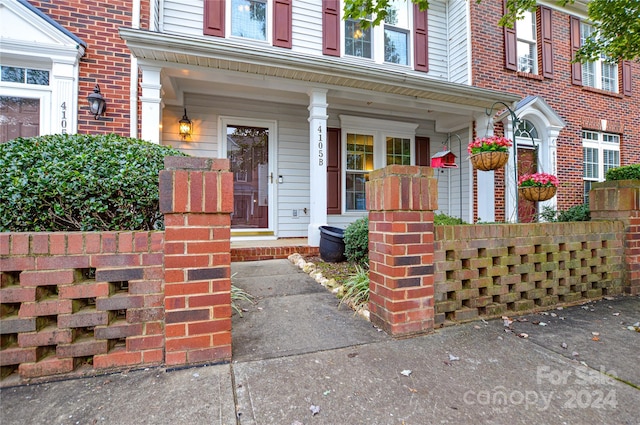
{"x":628,"y":172}
{"x":80,"y":182}
{"x":356,"y":241}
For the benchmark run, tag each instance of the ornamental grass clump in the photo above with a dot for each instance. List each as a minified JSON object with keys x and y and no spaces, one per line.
{"x":538,"y":180}
{"x":489,"y":144}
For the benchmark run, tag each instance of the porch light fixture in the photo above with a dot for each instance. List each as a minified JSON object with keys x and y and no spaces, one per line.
{"x":185,"y":126}
{"x":97,"y":104}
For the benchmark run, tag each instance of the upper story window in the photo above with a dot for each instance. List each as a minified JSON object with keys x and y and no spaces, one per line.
{"x":396,"y":33}
{"x":600,"y":74}
{"x":249,"y":19}
{"x":387,"y":43}
{"x":261,"y":20}
{"x":14,"y":74}
{"x":527,"y":48}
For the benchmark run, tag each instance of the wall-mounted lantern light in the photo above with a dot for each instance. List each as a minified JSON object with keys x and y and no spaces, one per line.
{"x":97,"y":104}
{"x":185,"y":126}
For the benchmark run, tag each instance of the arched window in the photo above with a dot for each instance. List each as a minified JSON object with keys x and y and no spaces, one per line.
{"x":526,"y":130}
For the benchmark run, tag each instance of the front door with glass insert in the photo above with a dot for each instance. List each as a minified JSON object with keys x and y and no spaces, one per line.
{"x":248,"y":153}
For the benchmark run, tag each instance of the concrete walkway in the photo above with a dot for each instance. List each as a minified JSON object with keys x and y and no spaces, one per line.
{"x":298,"y":359}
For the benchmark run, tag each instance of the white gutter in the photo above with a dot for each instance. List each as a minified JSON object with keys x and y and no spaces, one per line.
{"x":133,"y":85}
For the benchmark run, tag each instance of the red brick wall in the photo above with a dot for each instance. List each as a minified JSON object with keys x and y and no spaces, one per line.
{"x":106,"y":61}
{"x":574,"y":104}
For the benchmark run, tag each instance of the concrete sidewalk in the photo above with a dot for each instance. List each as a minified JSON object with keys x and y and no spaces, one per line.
{"x":349,"y":373}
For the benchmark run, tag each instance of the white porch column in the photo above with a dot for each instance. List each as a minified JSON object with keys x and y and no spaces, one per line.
{"x":317,"y":164}
{"x":486,"y":182}
{"x":151,"y":104}
{"x":510,"y":180}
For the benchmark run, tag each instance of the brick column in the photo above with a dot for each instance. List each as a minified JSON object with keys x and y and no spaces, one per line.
{"x":196,"y":197}
{"x":620,"y":200}
{"x":401,"y":200}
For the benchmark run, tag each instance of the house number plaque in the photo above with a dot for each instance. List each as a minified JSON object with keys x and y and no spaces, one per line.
{"x":63,"y":118}
{"x":320,"y":147}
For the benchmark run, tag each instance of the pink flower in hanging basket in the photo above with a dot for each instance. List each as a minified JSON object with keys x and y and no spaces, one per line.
{"x":538,"y":180}
{"x":489,"y":144}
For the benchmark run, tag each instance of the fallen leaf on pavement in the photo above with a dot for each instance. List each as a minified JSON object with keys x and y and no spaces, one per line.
{"x":453,"y":358}
{"x":314,"y":410}
{"x":564,"y":345}
{"x":523,"y":335}
{"x":405,"y":372}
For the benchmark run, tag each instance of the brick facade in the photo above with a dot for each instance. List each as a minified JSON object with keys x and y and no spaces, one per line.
{"x":580,"y":107}
{"x":107,"y":60}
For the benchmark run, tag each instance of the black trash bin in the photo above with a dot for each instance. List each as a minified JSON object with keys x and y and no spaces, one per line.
{"x":332,"y":244}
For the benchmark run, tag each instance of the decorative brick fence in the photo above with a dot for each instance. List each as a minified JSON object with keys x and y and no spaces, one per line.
{"x":89,"y":302}
{"x":491,"y":270}
{"x":84,"y":303}
{"x":424,"y":276}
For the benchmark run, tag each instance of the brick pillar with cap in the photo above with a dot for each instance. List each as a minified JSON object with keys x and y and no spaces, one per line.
{"x":196,"y":198}
{"x":620,"y":200}
{"x":401,"y":200}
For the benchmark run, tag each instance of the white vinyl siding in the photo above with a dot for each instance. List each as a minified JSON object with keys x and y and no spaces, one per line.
{"x":459,"y":42}
{"x":185,"y":17}
{"x":292,"y":155}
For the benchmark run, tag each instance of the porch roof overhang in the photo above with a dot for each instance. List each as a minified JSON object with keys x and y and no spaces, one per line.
{"x":232,"y":55}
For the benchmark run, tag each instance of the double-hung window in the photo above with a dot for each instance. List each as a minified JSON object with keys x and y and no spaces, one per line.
{"x":388,"y":42}
{"x":260,"y":20}
{"x":527,"y":47}
{"x":600,"y":151}
{"x":249,"y":19}
{"x":602,"y":73}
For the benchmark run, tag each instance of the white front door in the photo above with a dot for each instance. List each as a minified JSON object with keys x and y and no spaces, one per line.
{"x":249,"y":146}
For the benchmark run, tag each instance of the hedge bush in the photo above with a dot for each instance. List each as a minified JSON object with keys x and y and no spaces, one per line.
{"x":80,"y":182}
{"x":356,"y":241}
{"x":628,"y":172}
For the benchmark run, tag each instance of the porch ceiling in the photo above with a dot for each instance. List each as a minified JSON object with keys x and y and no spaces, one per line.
{"x":258,"y":60}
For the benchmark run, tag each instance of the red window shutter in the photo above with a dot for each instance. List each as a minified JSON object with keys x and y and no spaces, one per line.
{"x":214,"y":18}
{"x":546,"y":33}
{"x":420,"y":40}
{"x":626,"y":78}
{"x":334,"y":172}
{"x":331,"y":27}
{"x":282,"y":23}
{"x":510,"y":45}
{"x":423,"y":158}
{"x":576,"y":68}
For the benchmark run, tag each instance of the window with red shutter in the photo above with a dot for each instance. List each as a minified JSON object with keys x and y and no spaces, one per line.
{"x":334,"y":171}
{"x":576,"y":68}
{"x":214,"y":18}
{"x":420,"y":40}
{"x":331,"y":27}
{"x":546,"y":35}
{"x":282,"y":23}
{"x":510,"y":46}
{"x":626,"y":78}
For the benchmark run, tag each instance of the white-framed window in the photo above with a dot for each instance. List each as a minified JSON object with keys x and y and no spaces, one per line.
{"x":600,"y":151}
{"x":389,"y":42}
{"x":15,"y":74}
{"x":527,"y":49}
{"x":369,"y":144}
{"x":599,"y":74}
{"x":250,"y":19}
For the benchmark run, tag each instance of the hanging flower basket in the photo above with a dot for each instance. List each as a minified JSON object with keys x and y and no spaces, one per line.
{"x":537,"y":187}
{"x":487,"y":161}
{"x":489,"y":153}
